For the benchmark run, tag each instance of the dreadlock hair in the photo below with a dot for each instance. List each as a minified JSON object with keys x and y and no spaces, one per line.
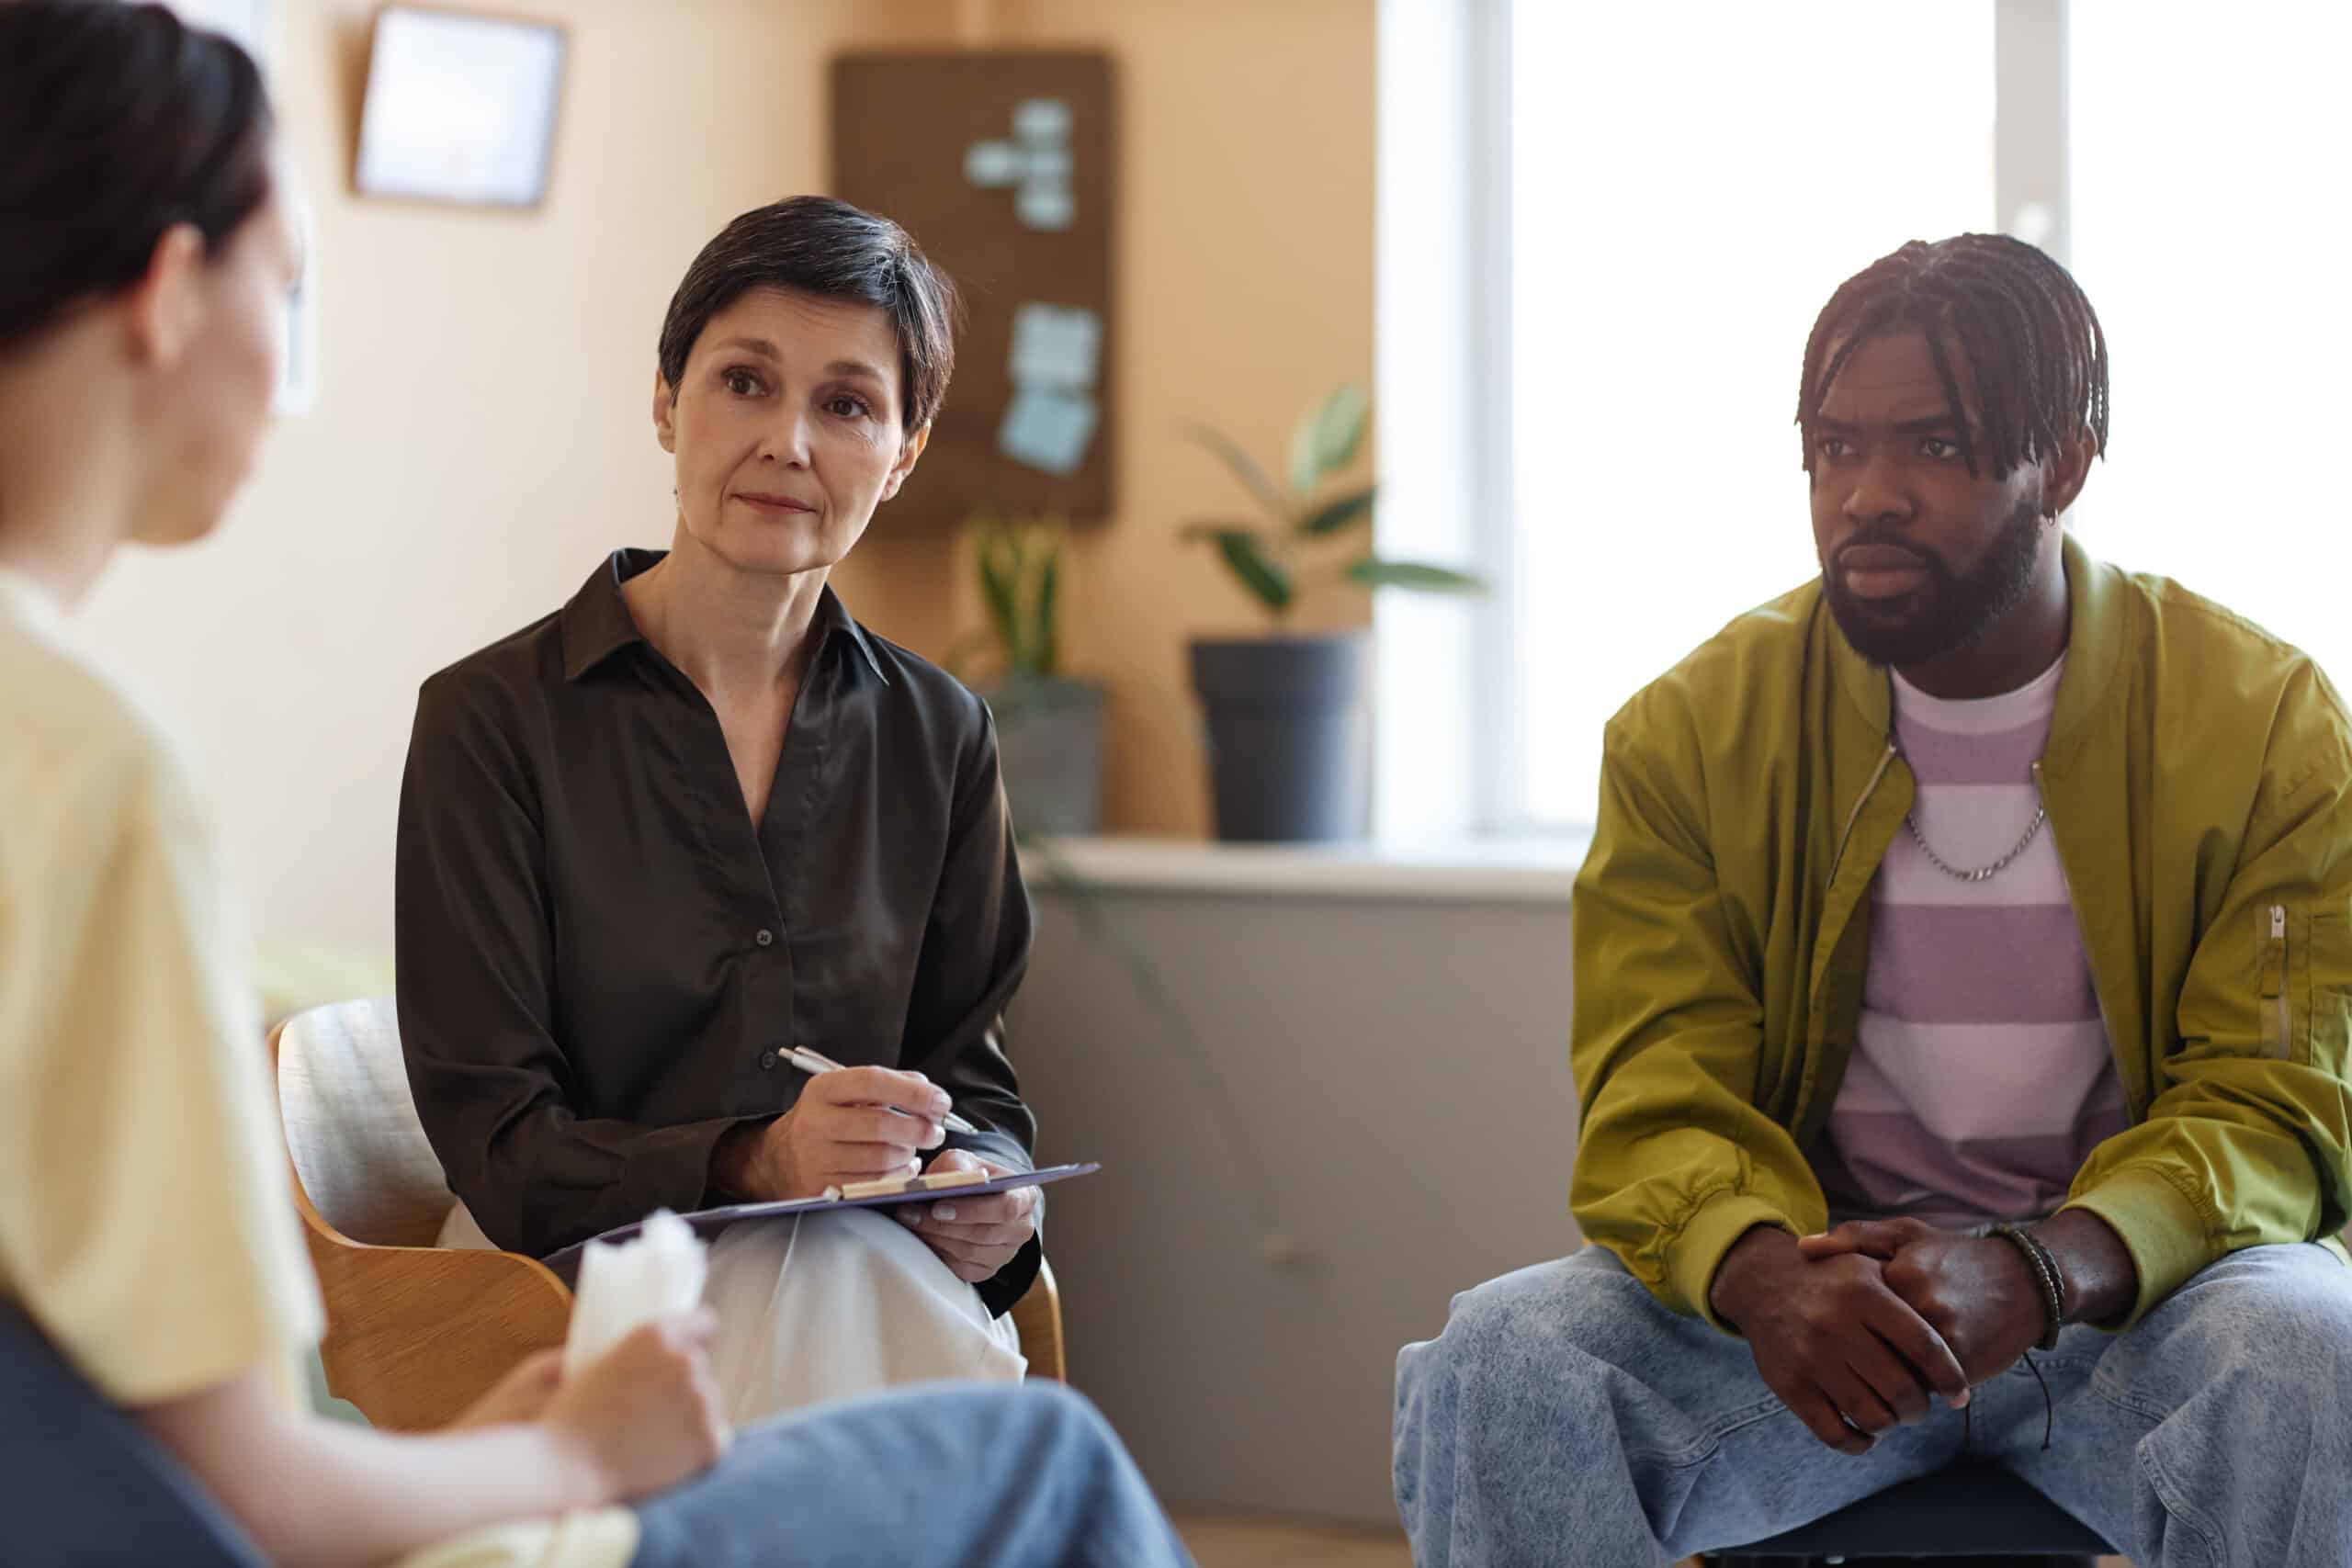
{"x":2032,"y":340}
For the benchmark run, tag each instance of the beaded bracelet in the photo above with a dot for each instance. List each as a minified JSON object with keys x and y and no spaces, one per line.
{"x":2044,"y":1267}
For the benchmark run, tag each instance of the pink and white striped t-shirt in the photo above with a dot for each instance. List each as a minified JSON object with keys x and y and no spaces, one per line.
{"x":1981,"y":1077}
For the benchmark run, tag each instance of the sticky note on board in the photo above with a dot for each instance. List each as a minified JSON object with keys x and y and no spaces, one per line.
{"x":1044,"y":204}
{"x":1056,"y":345}
{"x":1048,"y":428}
{"x":1038,"y":163}
{"x":1041,"y":120}
{"x":992,"y":163}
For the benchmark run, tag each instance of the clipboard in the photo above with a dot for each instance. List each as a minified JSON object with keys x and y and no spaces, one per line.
{"x":709,"y":1222}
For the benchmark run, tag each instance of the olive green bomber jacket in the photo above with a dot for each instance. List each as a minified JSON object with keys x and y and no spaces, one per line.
{"x":2198,"y":779}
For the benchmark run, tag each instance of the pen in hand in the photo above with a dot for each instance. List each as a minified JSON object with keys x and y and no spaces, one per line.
{"x":811,"y":1063}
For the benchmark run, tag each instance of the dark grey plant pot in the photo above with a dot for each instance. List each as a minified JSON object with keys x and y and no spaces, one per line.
{"x":1049,"y":742}
{"x":1289,"y":735}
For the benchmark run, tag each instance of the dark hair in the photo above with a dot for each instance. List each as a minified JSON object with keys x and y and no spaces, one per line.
{"x":829,"y":248}
{"x":117,"y":122}
{"x":2032,"y":343}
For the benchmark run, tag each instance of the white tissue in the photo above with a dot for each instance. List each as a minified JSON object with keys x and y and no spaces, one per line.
{"x":625,"y":1285}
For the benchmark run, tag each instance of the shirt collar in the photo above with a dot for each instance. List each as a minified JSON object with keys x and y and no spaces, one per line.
{"x":596,"y":623}
{"x":834,"y":616}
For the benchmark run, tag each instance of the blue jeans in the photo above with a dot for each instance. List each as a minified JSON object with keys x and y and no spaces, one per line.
{"x":945,"y":1473}
{"x":1565,"y":1417}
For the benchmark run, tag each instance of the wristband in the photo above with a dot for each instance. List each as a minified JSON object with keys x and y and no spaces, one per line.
{"x":2044,"y":1265}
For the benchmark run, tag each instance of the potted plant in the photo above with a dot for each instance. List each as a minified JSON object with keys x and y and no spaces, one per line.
{"x":1049,"y":727}
{"x":1288,"y":730}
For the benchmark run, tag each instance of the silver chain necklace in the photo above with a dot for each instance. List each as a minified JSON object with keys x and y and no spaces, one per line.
{"x":1982,"y":873}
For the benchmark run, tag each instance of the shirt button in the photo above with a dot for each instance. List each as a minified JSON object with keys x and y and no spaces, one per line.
{"x":765,"y":937}
{"x":767,"y":1061}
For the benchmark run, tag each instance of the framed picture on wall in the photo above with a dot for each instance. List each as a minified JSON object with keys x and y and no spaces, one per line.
{"x":460,"y":107}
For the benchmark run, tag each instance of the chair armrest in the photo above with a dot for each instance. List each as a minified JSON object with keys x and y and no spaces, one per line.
{"x":416,"y":1334}
{"x":1038,"y":1315}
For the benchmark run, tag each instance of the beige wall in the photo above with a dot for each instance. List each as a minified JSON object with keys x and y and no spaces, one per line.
{"x":481,"y":433}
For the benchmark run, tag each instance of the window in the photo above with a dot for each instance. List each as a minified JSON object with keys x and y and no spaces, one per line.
{"x":1689,"y":184}
{"x":2208,"y":227}
{"x":1670,"y":192}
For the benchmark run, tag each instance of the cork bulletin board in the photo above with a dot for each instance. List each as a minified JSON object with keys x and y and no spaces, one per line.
{"x":1000,"y":166}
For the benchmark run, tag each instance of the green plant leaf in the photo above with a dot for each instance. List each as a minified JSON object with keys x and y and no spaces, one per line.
{"x":1326,"y":437}
{"x":1047,"y":656}
{"x":1264,"y":576}
{"x":1245,"y":468}
{"x":1211,"y":527}
{"x":1416,"y":576}
{"x":999,"y":592}
{"x":1018,"y":565}
{"x":1335,"y":516}
{"x":1030,"y":550}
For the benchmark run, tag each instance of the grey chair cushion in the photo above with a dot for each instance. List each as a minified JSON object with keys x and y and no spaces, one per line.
{"x":82,"y":1486}
{"x":1969,"y":1510}
{"x":351,"y":1125}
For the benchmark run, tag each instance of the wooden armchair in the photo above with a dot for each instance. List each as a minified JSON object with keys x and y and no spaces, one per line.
{"x":416,"y":1333}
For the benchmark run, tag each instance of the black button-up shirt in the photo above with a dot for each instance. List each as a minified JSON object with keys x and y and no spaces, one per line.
{"x":600,"y":956}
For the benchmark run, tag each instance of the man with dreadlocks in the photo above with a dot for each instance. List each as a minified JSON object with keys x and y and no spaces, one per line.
{"x":1994,"y":906}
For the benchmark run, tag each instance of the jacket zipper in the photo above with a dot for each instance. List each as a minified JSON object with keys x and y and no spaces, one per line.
{"x":2278,"y":941}
{"x":1807,"y":1065}
{"x":1886,"y":761}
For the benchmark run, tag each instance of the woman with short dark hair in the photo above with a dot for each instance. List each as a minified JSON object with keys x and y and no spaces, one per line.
{"x":700,"y":819}
{"x":146,"y":1233}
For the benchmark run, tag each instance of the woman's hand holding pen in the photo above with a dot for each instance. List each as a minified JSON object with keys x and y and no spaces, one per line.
{"x":841,"y":1130}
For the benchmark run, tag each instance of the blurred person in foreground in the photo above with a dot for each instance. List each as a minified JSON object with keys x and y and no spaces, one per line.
{"x":1992,"y":905}
{"x":146,"y":1229}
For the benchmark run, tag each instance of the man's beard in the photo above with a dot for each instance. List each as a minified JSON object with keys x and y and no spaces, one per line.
{"x":1958,"y":612}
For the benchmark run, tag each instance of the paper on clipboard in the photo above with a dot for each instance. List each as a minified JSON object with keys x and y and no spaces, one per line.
{"x":709,"y":1222}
